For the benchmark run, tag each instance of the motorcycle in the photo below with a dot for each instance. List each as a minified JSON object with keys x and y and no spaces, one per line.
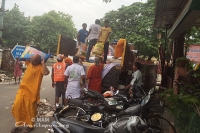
{"x":124,"y":122}
{"x":98,"y":119}
{"x":120,"y":97}
{"x":97,"y":103}
{"x":127,"y":124}
{"x":98,"y":116}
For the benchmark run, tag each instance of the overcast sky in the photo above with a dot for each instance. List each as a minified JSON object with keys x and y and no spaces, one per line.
{"x":82,"y":11}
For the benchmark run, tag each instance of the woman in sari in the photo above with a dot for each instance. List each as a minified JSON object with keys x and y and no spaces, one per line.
{"x":17,"y":70}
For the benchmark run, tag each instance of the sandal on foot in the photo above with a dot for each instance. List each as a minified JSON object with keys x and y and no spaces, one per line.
{"x":28,"y":129}
{"x":16,"y":130}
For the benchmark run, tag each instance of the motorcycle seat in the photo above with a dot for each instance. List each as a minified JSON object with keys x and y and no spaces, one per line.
{"x":86,"y":105}
{"x":80,"y":126}
{"x":78,"y":102}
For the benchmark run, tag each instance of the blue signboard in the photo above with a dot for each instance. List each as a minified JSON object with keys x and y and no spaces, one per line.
{"x":17,"y":51}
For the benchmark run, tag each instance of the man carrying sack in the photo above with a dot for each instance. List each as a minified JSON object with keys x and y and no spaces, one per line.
{"x":103,"y":39}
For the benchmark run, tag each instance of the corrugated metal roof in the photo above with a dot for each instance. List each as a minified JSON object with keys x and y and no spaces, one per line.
{"x":166,"y":12}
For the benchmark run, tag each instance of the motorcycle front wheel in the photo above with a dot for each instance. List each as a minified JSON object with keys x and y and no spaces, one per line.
{"x":162,"y":123}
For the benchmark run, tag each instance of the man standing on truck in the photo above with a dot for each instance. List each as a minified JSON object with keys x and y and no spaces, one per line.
{"x":104,"y":37}
{"x":93,"y":36}
{"x":58,"y":79}
{"x":82,"y":34}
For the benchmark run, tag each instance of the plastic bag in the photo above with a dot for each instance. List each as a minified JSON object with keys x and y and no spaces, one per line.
{"x":29,"y":51}
{"x":109,"y":93}
{"x":98,"y":48}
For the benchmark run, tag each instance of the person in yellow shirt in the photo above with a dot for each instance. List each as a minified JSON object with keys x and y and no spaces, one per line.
{"x":24,"y":108}
{"x":104,"y":37}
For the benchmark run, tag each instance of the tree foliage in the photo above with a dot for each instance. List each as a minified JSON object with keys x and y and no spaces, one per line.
{"x":193,"y":35}
{"x":14,"y":27}
{"x":41,"y":31}
{"x":44,"y":30}
{"x":135,"y":23}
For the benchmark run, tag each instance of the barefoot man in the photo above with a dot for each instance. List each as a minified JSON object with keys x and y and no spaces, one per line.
{"x":25,"y":105}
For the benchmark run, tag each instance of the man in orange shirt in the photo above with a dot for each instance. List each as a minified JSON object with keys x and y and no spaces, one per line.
{"x":104,"y":37}
{"x":95,"y":75}
{"x":25,"y":105}
{"x":58,"y":79}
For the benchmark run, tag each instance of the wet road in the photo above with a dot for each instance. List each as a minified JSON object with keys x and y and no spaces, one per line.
{"x":7,"y":96}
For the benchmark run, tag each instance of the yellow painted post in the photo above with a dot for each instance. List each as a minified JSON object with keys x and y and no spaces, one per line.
{"x":58,"y":48}
{"x":123,"y":55}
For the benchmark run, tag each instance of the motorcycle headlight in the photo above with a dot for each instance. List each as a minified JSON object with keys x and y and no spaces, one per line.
{"x":112,"y":102}
{"x":96,"y":117}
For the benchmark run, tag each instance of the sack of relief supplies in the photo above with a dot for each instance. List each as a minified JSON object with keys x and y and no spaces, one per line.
{"x":30,"y":51}
{"x":98,"y":48}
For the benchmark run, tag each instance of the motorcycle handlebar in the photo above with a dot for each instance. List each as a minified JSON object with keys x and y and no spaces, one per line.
{"x":120,"y":114}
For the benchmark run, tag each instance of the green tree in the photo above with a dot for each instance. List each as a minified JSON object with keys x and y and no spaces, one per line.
{"x":135,"y":23}
{"x":14,"y":27}
{"x":44,"y":30}
{"x":192,"y":35}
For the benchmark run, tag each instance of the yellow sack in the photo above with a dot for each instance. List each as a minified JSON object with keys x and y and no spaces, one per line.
{"x":98,"y":48}
{"x":119,"y":48}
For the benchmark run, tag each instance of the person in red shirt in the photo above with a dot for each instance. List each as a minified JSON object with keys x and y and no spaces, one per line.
{"x":58,"y":78}
{"x":95,"y":75}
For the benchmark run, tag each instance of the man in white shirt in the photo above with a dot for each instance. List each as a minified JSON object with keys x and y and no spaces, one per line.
{"x":74,"y":74}
{"x":93,"y":36}
{"x":136,"y":83}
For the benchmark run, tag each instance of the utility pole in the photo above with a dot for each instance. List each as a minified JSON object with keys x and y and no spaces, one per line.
{"x":2,"y":10}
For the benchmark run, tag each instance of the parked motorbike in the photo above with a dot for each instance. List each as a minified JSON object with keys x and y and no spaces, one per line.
{"x":124,"y":122}
{"x":98,"y":103}
{"x":98,"y":115}
{"x":98,"y":119}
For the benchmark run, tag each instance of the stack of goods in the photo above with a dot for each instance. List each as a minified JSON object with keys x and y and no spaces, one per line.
{"x":82,"y":50}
